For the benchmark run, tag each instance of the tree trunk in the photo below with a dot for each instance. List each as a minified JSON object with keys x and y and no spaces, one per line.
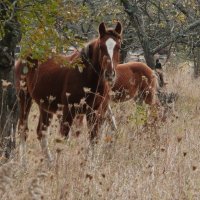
{"x":8,"y":113}
{"x":136,"y":22}
{"x":196,"y":53}
{"x":148,"y":55}
{"x":123,"y":52}
{"x":8,"y":100}
{"x":149,"y":59}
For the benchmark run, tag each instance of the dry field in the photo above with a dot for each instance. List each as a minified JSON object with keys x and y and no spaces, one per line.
{"x":160,"y":162}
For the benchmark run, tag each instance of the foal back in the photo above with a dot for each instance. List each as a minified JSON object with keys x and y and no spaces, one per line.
{"x":135,"y":80}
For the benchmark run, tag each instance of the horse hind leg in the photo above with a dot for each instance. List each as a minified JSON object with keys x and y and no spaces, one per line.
{"x":151,"y":100}
{"x":25,"y":103}
{"x":43,"y":125}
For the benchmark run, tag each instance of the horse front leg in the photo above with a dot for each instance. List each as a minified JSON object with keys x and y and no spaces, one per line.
{"x":96,"y":117}
{"x":44,"y":122}
{"x":93,"y":122}
{"x":67,"y":119}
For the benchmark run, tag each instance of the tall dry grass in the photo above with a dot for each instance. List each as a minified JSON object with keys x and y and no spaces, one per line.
{"x":160,"y":162}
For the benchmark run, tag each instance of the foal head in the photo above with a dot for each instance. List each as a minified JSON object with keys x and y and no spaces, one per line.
{"x":109,"y":44}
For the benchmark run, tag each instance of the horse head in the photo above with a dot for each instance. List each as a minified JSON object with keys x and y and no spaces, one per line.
{"x":109,"y":44}
{"x":102,"y":54}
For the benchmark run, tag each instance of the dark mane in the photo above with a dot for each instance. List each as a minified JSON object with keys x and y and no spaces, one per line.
{"x":87,"y":53}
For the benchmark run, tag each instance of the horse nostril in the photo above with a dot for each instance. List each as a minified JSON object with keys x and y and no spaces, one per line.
{"x":107,"y":74}
{"x":113,"y":73}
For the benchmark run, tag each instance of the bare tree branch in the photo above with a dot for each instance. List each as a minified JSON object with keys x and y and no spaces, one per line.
{"x":176,"y":36}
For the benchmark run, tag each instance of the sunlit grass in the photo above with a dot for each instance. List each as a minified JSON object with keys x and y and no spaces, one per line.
{"x":137,"y":162}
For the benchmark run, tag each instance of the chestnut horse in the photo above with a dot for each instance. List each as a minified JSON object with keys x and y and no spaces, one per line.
{"x":54,"y":87}
{"x":134,"y":80}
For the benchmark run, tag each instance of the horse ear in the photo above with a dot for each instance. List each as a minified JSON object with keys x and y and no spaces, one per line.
{"x":102,"y":29}
{"x":118,"y":28}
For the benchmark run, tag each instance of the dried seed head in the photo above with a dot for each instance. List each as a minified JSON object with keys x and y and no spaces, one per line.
{"x":87,"y":90}
{"x":108,"y":139}
{"x":82,"y":101}
{"x":90,"y":177}
{"x":58,"y":150}
{"x":51,"y":98}
{"x":58,"y":140}
{"x":41,"y":101}
{"x":194,"y":168}
{"x":162,"y":149}
{"x":5,"y":84}
{"x":179,"y":138}
{"x":103,"y":175}
{"x":68,"y":94}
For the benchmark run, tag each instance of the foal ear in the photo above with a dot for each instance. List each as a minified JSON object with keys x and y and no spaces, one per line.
{"x":118,"y":28}
{"x":102,"y":29}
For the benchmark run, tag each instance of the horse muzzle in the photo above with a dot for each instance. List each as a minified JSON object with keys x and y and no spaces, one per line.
{"x":109,"y":76}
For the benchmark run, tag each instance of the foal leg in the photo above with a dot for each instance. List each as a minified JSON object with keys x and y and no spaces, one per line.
{"x":44,"y":122}
{"x":25,"y":103}
{"x":150,"y":99}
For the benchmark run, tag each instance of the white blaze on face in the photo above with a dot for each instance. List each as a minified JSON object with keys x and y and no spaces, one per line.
{"x":110,"y":44}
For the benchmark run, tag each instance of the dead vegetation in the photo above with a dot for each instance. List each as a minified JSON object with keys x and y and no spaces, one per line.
{"x":160,"y":162}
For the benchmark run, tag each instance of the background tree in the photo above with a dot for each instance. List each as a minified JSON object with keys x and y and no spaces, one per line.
{"x":160,"y":24}
{"x":9,"y":37}
{"x":152,"y":25}
{"x":33,"y":24}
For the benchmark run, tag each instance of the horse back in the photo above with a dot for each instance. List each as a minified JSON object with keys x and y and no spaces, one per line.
{"x":141,"y":72}
{"x":136,"y":78}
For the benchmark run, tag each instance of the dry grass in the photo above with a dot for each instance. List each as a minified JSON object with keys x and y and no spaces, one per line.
{"x":161,"y":162}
